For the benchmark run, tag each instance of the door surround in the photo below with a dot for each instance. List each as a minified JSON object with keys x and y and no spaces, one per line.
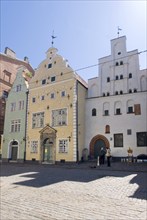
{"x":93,"y":141}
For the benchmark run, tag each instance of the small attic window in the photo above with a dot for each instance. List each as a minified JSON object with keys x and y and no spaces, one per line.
{"x":49,"y":65}
{"x":119,"y":53}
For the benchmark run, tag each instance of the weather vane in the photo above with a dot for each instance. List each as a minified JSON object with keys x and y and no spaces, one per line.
{"x":118,"y":30}
{"x":53,"y":37}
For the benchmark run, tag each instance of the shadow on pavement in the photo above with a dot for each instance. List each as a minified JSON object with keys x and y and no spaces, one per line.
{"x":47,"y":175}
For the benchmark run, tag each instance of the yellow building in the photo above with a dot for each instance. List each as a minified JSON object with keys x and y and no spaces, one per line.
{"x":56,"y":105}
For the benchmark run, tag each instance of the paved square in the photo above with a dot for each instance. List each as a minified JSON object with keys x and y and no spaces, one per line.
{"x":41,"y":192}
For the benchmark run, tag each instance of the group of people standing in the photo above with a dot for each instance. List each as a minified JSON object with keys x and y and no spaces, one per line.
{"x":101,"y":158}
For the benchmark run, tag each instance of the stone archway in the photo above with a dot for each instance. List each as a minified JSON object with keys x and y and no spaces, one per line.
{"x":96,"y":143}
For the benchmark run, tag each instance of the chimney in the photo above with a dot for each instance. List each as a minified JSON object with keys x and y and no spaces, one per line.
{"x":10,"y":53}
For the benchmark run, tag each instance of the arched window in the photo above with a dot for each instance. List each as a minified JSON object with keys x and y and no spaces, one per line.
{"x":130,"y":106}
{"x":130,"y":90}
{"x":116,"y":63}
{"x":94,"y":112}
{"x":106,"y":107}
{"x":121,"y":92}
{"x":108,"y":79}
{"x":107,"y":129}
{"x":135,"y":90}
{"x":117,"y":108}
{"x":121,"y":63}
{"x":121,"y":76}
{"x":116,"y":93}
{"x":108,"y":93}
{"x":116,"y":77}
{"x":130,"y":75}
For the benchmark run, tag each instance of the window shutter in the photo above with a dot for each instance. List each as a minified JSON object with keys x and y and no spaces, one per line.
{"x":137,"y":109}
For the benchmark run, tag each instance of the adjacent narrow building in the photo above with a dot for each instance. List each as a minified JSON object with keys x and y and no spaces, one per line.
{"x":14,"y":137}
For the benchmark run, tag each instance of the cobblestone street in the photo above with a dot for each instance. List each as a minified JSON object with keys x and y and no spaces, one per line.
{"x":38,"y":192}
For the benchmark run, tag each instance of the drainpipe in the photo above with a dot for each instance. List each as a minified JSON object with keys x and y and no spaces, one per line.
{"x":77,"y":145}
{"x":26,"y":119}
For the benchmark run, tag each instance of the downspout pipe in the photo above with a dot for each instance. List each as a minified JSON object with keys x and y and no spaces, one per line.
{"x":26,"y":119}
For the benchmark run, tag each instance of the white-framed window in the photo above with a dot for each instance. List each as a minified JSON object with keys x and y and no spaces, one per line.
{"x":15,"y":125}
{"x":13,"y":106}
{"x":63,"y":94}
{"x":38,"y":120}
{"x":59,"y":117}
{"x":42,"y":97}
{"x":43,"y":81}
{"x":52,"y":95}
{"x":33,"y":99}
{"x":18,"y":88}
{"x":63,"y":146}
{"x":53,"y":78}
{"x":34,"y":146}
{"x":21,"y":105}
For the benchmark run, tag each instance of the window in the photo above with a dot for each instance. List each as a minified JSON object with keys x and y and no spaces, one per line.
{"x":135,"y":90}
{"x":5,"y":94}
{"x":141,"y":139}
{"x":121,"y":92}
{"x":18,"y":88}
{"x":33,"y":99}
{"x":59,"y":117}
{"x":63,"y":94}
{"x":130,"y":75}
{"x":12,"y":106}
{"x":103,"y":94}
{"x":121,"y":76}
{"x":107,"y":129}
{"x":116,"y":77}
{"x":38,"y":120}
{"x":130,"y":90}
{"x":119,"y":53}
{"x":121,"y":63}
{"x":118,"y":112}
{"x":129,"y":131}
{"x":43,"y":81}
{"x":15,"y":125}
{"x":108,"y":79}
{"x":106,"y":112}
{"x":108,"y":94}
{"x":118,"y":140}
{"x":42,"y":97}
{"x":52,"y":95}
{"x":63,"y":146}
{"x":49,"y":65}
{"x":34,"y":146}
{"x":117,"y":64}
{"x":94,"y":112}
{"x":20,"y":105}
{"x":116,"y":93}
{"x":130,"y":109}
{"x":53,"y":78}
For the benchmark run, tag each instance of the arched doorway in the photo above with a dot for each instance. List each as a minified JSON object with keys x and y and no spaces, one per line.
{"x":13,"y":150}
{"x":96,"y":144}
{"x":48,"y":150}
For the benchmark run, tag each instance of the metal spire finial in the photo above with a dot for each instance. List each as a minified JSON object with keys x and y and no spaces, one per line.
{"x":53,"y":37}
{"x":118,"y":29}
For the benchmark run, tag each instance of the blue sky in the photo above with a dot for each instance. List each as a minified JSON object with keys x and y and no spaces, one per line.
{"x":83,"y":29}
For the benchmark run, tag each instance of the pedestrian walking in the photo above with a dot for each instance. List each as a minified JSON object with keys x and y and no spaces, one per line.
{"x":102,"y":155}
{"x":108,"y":155}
